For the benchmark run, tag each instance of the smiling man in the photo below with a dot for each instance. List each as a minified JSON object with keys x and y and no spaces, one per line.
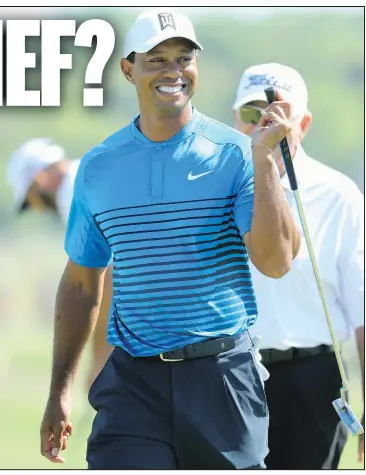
{"x":180,"y":202}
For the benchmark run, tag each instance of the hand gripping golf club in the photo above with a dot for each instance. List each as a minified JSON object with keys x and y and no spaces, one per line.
{"x":344,"y":411}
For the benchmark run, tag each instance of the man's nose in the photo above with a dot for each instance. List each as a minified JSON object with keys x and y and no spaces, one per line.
{"x":172,"y":70}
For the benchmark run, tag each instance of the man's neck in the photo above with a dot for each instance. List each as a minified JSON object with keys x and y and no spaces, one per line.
{"x":162,"y":128}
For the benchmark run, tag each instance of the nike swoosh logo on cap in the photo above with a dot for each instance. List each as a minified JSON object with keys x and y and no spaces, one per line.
{"x":194,"y":177}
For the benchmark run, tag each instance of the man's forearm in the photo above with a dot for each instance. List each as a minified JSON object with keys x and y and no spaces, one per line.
{"x":75,"y":317}
{"x":274,"y":237}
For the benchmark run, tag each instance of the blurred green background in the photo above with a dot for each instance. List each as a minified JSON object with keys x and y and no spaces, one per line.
{"x":325,"y":45}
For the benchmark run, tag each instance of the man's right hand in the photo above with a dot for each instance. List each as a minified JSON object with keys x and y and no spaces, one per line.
{"x":55,"y":429}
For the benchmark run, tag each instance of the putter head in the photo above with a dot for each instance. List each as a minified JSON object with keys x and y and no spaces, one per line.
{"x":348,"y":417}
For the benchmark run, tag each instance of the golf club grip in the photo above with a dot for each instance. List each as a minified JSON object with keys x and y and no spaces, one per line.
{"x":285,"y":150}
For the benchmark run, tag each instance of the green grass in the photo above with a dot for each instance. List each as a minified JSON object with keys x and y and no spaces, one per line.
{"x":22,"y":399}
{"x":24,"y":386}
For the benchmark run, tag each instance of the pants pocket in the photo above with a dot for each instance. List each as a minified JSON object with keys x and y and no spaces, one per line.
{"x":243,"y":381}
{"x":247,"y":405}
{"x":94,"y":386}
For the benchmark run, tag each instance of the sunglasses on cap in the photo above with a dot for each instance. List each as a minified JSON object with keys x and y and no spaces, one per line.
{"x":250,"y":114}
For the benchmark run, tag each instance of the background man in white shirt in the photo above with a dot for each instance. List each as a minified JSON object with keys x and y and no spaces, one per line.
{"x":305,"y":431}
{"x":42,"y":178}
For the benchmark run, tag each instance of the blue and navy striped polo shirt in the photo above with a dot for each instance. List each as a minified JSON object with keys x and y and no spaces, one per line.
{"x":172,"y":215}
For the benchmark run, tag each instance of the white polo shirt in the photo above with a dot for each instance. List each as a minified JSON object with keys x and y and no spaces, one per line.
{"x":65,"y":192}
{"x":290,"y":312}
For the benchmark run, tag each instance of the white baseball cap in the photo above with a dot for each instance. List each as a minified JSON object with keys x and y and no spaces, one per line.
{"x":29,"y":159}
{"x":283,"y":78}
{"x":155,"y":26}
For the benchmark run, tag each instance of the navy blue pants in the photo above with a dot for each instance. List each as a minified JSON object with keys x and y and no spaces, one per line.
{"x":205,"y":413}
{"x":310,"y":436}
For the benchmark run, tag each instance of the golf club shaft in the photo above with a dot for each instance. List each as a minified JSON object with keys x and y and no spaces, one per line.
{"x":285,"y":151}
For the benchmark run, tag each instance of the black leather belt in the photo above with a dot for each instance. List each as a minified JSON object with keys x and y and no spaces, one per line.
{"x":292,"y":354}
{"x":202,"y":349}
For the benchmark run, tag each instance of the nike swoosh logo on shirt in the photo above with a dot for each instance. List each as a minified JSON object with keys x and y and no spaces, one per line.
{"x":194,"y":177}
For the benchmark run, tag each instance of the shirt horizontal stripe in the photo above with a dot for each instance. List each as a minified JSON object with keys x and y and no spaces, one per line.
{"x":204,"y":200}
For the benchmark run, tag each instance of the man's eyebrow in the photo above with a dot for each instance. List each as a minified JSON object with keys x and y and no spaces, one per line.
{"x":153,"y":52}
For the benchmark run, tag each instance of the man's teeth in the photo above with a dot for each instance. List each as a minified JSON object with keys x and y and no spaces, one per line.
{"x":170,"y":90}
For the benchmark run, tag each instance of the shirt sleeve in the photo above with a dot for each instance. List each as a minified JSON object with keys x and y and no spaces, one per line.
{"x":243,"y":206}
{"x":351,"y":258}
{"x":84,"y":241}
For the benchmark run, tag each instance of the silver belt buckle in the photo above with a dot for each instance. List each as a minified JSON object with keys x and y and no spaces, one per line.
{"x":168,"y":360}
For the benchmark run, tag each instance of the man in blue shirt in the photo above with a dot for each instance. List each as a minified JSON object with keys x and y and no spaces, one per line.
{"x":178,"y":202}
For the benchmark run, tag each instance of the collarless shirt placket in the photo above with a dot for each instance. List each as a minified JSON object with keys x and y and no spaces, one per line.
{"x":157,"y":174}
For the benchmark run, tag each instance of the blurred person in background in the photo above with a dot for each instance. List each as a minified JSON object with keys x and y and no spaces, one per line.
{"x":305,"y":431}
{"x":42,"y":178}
{"x":182,"y":388}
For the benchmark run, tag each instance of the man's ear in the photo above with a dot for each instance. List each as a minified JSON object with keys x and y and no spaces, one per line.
{"x":305,"y":124}
{"x":126,"y":68}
